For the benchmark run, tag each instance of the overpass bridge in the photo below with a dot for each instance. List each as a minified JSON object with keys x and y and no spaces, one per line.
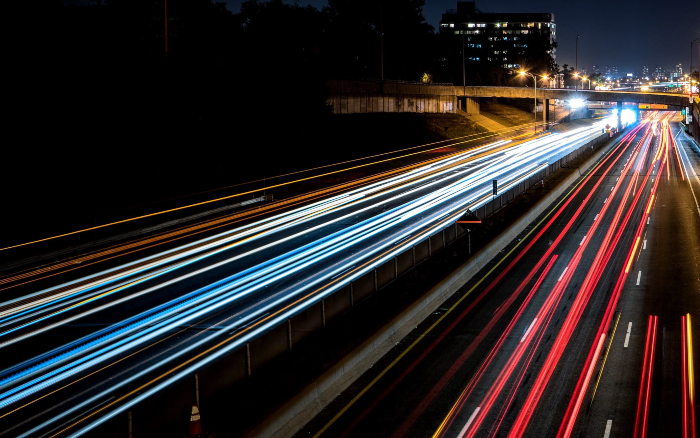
{"x":673,"y":101}
{"x":355,"y":96}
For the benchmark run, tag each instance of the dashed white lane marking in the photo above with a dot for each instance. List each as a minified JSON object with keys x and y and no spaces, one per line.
{"x":608,"y":428}
{"x":527,"y":332}
{"x":648,"y":219}
{"x":606,"y":200}
{"x":627,"y":337}
{"x":611,"y":188}
{"x":645,"y":244}
{"x":562,"y":274}
{"x":639,"y":277}
{"x":596,"y":217}
{"x":582,"y":240}
{"x":469,"y":422}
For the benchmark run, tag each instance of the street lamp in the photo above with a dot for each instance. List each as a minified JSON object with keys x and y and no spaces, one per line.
{"x":576,"y":75}
{"x":691,"y":62}
{"x":534,"y":77}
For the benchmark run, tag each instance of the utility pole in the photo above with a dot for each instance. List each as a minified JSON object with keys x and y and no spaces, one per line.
{"x":381,"y":41}
{"x":166,"y":28}
{"x":464,"y":74}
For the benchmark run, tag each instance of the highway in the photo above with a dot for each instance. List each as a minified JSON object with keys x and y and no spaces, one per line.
{"x":79,"y":353}
{"x":584,"y":326}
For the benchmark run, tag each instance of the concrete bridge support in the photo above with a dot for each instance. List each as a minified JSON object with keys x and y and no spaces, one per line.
{"x":619,"y":115}
{"x":469,"y":105}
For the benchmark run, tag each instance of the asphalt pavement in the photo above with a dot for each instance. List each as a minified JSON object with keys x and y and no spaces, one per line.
{"x":534,"y":345}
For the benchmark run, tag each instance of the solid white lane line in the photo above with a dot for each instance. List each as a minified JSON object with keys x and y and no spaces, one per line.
{"x":645,"y":244}
{"x":608,"y":428}
{"x":562,"y":274}
{"x":627,"y":336}
{"x":469,"y":422}
{"x":528,"y":330}
{"x":639,"y":277}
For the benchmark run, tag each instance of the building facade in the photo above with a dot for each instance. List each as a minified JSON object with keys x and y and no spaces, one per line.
{"x":500,"y":39}
{"x":678,"y":71}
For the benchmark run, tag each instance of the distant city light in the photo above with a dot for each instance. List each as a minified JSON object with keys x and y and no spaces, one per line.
{"x":576,"y":103}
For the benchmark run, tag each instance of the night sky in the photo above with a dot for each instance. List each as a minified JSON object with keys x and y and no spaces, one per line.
{"x":622,"y":33}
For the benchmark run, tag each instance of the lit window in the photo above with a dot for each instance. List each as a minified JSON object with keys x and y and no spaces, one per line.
{"x":505,"y":24}
{"x":524,"y":32}
{"x":498,"y":24}
{"x":452,"y":25}
{"x":470,"y":25}
{"x":530,"y":24}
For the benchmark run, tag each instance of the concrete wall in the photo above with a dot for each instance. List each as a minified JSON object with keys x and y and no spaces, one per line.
{"x":694,"y":128}
{"x":359,"y":103}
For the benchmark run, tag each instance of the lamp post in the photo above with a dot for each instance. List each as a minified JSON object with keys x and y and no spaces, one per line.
{"x":576,"y":73}
{"x":534,"y":77}
{"x":691,"y":63}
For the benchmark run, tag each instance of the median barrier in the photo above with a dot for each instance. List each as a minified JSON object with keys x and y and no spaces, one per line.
{"x":291,"y":417}
{"x":244,"y":362}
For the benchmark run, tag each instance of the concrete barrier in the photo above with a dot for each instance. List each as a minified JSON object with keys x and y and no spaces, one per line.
{"x":291,"y":417}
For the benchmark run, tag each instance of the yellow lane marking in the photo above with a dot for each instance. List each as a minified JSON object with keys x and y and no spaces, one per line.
{"x":600,"y":374}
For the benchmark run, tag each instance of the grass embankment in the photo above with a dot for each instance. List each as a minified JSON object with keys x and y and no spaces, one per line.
{"x":506,"y":115}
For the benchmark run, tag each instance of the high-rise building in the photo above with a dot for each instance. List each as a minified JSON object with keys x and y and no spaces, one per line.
{"x":596,"y":70}
{"x":607,"y":71}
{"x":657,"y":72}
{"x":645,"y":70}
{"x":614,"y":70}
{"x":583,"y":71}
{"x":502,"y":39}
{"x":678,"y":71}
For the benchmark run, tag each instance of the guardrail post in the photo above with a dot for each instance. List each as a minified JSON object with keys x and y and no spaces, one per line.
{"x":323,"y":312}
{"x":375,"y":280}
{"x":443,"y":238}
{"x":396,"y":268}
{"x":352,"y":296}
{"x":413,"y":253}
{"x":247,"y":358}
{"x":430,"y":247}
{"x":289,"y":334}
